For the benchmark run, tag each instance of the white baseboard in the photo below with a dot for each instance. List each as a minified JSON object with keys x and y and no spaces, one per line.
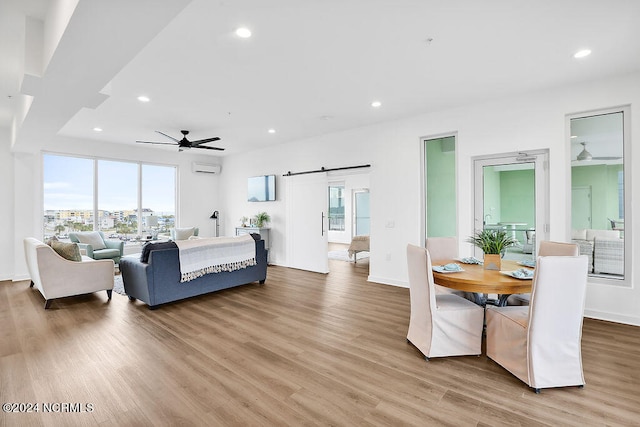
{"x":612,"y":317}
{"x":386,"y":281}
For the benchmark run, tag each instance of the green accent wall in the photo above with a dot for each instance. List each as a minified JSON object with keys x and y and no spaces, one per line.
{"x":441,"y":187}
{"x":518,"y":198}
{"x":491,"y":194}
{"x":603,"y":180}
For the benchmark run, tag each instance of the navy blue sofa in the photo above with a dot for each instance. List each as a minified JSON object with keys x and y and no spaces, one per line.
{"x":158,"y":281}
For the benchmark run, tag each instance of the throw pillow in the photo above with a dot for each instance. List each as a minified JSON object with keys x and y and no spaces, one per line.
{"x":183,"y":233}
{"x":69,"y":251}
{"x":52,"y":239}
{"x":92,"y":238}
{"x":147,"y":248}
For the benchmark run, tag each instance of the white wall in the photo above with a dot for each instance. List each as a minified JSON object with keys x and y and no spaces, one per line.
{"x":6,"y":207}
{"x":198,"y":193}
{"x":528,"y":122}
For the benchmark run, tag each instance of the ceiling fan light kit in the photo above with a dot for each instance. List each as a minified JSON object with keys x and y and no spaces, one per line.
{"x":584,"y":154}
{"x":184,"y":143}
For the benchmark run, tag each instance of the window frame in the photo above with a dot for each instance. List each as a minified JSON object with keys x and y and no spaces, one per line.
{"x":625,"y":281}
{"x":95,"y":160}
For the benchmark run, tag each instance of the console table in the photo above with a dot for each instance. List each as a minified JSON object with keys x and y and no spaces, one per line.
{"x":264,"y":232}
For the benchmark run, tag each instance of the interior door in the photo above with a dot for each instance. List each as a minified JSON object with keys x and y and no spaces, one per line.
{"x":580,"y":207}
{"x":511,"y":193}
{"x":307,"y":206}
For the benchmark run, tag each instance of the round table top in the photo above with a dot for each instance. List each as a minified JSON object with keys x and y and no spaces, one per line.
{"x":475,"y":278}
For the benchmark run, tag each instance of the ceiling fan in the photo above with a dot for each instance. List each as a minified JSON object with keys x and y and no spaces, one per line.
{"x":184,"y":143}
{"x":585,"y":155}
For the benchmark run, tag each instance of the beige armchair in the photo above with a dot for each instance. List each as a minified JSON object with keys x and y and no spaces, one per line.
{"x":547,"y":248}
{"x":57,"y":277}
{"x":541,"y":343}
{"x":440,"y":325}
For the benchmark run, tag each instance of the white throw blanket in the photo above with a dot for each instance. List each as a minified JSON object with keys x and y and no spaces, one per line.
{"x":213,"y":255}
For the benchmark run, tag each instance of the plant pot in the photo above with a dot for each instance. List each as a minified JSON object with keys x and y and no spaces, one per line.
{"x":492,"y":262}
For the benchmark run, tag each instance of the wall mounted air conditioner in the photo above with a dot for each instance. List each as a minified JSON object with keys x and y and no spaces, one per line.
{"x":205,"y":168}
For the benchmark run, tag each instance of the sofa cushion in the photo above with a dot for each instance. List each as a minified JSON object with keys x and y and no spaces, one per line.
{"x":184,"y":233}
{"x":579,"y":234}
{"x":106,"y":254}
{"x":147,"y":248}
{"x":92,"y":238}
{"x":69,"y":251}
{"x":607,"y":234}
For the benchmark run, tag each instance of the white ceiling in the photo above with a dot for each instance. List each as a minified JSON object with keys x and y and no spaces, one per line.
{"x":310,"y":68}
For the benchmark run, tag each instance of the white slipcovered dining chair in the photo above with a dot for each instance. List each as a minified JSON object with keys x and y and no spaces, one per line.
{"x":440,"y":325}
{"x":547,"y":248}
{"x":443,"y":248}
{"x":541,"y":343}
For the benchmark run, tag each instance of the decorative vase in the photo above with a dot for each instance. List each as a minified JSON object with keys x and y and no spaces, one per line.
{"x":492,"y":262}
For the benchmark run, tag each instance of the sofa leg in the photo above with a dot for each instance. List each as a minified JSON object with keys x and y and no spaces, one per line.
{"x":261,"y":282}
{"x":131,"y":298}
{"x":31,"y":284}
{"x":109,"y":291}
{"x":47,"y":304}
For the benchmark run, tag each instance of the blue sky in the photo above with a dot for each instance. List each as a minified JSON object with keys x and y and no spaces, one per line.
{"x":68,"y":184}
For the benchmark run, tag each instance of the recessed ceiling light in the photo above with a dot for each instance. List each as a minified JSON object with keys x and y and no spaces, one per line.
{"x":271,"y":130}
{"x":376,"y":104}
{"x":143,"y":98}
{"x":243,"y":32}
{"x":582,"y":53}
{"x":97,"y":129}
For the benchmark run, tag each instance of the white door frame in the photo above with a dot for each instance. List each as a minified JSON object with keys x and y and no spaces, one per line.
{"x":540,"y":158}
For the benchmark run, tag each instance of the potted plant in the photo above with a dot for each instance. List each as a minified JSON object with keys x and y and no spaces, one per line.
{"x":493,"y":243}
{"x":261,"y":219}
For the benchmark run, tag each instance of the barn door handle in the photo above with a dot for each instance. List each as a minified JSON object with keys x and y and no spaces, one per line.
{"x":322,"y":224}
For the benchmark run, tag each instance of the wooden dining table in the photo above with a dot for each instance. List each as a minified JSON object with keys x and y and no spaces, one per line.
{"x":482,"y":282}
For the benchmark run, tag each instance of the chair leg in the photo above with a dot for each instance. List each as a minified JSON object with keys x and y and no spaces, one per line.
{"x":426,"y":358}
{"x":537,"y":390}
{"x":47,"y":304}
{"x":109,"y":291}
{"x":31,"y":285}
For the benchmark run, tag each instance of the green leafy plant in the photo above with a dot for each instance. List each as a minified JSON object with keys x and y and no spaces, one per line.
{"x":261,"y":219}
{"x":492,"y":241}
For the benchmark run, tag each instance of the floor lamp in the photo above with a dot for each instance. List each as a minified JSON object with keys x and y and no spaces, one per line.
{"x":215,"y":215}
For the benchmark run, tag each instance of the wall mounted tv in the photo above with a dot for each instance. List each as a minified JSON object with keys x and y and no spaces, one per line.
{"x":261,"y":188}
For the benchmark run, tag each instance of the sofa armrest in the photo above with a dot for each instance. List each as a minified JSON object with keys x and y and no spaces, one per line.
{"x":85,"y":249}
{"x":115,"y":244}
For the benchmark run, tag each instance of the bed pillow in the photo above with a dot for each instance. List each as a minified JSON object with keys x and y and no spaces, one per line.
{"x":92,"y":238}
{"x":69,"y":251}
{"x":147,"y":248}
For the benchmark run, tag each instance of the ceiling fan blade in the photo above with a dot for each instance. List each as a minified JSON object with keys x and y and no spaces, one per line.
{"x":157,"y":143}
{"x":202,"y":141}
{"x":168,"y":136}
{"x":208,"y":148}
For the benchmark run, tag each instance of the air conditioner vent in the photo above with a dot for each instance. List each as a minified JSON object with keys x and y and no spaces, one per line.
{"x":205,"y":168}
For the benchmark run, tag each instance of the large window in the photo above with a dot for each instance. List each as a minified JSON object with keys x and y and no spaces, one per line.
{"x":600,"y":202}
{"x":126,"y":200}
{"x":336,"y":207}
{"x":440,"y":187}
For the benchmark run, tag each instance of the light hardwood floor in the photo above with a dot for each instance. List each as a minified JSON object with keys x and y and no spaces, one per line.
{"x":303,"y":349}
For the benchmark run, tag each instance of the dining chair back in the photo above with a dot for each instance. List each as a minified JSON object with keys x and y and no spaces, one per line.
{"x":547,"y":248}
{"x":439,"y":325}
{"x":442,"y":247}
{"x":541,"y":343}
